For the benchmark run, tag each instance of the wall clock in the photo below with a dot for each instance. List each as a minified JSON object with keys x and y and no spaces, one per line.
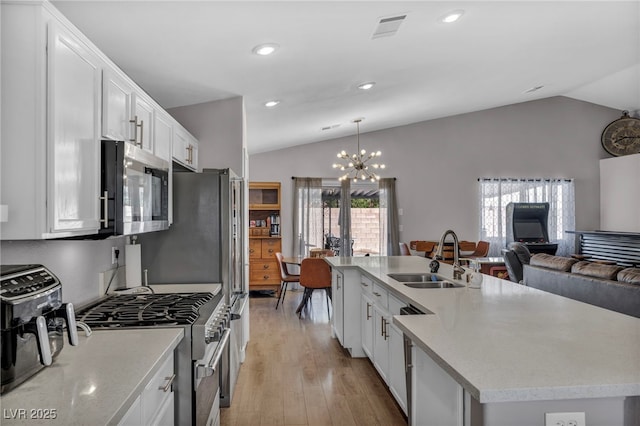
{"x":622,"y":136}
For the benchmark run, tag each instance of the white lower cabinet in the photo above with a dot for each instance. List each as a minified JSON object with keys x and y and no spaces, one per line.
{"x":387,"y":342}
{"x":380,"y":359}
{"x":345,"y":288}
{"x":366,"y":324}
{"x":397,"y":380}
{"x":437,"y":399}
{"x":155,"y":405}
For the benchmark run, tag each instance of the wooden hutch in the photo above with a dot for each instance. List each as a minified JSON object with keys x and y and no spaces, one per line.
{"x":264,"y":235}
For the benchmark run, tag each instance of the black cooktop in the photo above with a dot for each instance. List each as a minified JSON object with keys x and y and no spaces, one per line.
{"x":144,"y":310}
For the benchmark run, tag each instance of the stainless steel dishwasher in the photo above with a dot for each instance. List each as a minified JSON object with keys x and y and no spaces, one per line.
{"x":409,"y":310}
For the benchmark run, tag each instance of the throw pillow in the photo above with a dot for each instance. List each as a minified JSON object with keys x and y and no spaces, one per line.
{"x":629,"y":275}
{"x":558,"y":263}
{"x":596,"y":270}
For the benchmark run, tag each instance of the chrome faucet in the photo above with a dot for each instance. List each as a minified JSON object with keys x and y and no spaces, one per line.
{"x":457,"y":269}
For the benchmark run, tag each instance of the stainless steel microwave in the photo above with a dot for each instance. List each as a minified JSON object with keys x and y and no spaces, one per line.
{"x":135,"y":190}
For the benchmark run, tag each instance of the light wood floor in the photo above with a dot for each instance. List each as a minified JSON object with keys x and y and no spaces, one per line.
{"x":295,"y":373}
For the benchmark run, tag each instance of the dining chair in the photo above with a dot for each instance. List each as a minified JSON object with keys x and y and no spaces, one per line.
{"x":315,"y":274}
{"x":404,"y":250}
{"x":482,"y":249}
{"x":286,"y":278}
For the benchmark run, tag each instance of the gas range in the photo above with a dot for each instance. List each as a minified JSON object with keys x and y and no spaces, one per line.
{"x":145,"y":310}
{"x":206,"y":321}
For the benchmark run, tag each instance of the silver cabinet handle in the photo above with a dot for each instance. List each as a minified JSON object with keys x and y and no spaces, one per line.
{"x":384,"y":329}
{"x":376,"y":294}
{"x":339,"y":280}
{"x":166,"y":387}
{"x":141,"y":125}
{"x":135,"y":130}
{"x":368,"y":313}
{"x":105,"y":204}
{"x":365,"y":284}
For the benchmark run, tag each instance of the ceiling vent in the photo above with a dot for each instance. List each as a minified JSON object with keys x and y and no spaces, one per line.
{"x":388,"y":26}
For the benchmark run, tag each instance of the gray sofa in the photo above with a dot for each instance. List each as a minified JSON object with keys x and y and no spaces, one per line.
{"x":607,"y":286}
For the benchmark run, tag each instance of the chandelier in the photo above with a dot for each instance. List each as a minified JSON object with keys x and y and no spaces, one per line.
{"x":356,"y":165}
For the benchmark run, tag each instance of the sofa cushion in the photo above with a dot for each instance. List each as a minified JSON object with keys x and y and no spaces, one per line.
{"x":629,"y":275}
{"x":548,"y":261}
{"x":596,"y":270}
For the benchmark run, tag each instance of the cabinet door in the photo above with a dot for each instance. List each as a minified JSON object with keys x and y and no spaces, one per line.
{"x":397,"y":379}
{"x":380,"y":342}
{"x":255,"y":248}
{"x":116,"y":106}
{"x":194,"y":153}
{"x":74,"y":75}
{"x":337,"y":290}
{"x":162,"y":135}
{"x":142,"y":114}
{"x":183,"y":147}
{"x":366,"y":324}
{"x":436,"y":399}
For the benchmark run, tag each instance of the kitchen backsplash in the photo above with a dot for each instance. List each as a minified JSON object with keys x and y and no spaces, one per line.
{"x":77,"y":263}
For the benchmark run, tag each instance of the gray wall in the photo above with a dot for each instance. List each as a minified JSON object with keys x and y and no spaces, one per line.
{"x":437,"y":163}
{"x":77,"y":264}
{"x":219,"y":127}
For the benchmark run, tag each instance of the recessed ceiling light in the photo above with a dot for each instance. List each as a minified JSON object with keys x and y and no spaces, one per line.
{"x":265,"y":49}
{"x":271,"y":104}
{"x":452,"y":16}
{"x":366,"y":86}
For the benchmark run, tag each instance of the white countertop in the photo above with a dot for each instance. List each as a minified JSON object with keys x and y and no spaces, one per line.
{"x":95,"y":382}
{"x":509,"y":342}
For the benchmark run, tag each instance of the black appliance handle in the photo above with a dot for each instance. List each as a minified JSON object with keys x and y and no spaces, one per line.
{"x":67,"y":312}
{"x":39,"y":328}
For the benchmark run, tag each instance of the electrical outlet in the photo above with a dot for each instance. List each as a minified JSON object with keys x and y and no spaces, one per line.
{"x":564,"y":419}
{"x":113,"y":255}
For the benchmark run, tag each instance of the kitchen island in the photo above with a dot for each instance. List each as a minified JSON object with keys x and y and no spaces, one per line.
{"x":514,"y":349}
{"x":97,"y":382}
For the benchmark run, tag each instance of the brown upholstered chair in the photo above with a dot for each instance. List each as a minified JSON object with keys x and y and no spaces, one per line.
{"x":286,"y":278}
{"x":482,"y":249}
{"x":404,"y":250}
{"x":315,"y":274}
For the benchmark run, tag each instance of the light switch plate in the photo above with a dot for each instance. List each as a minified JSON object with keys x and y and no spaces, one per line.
{"x":564,"y":419}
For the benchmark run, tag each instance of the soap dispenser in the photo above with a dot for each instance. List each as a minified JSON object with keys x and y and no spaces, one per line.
{"x":475,"y":278}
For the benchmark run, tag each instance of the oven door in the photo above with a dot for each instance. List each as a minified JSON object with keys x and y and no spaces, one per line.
{"x":206,"y":382}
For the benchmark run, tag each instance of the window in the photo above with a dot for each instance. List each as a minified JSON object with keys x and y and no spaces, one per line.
{"x":365,"y":217}
{"x":495,"y":194}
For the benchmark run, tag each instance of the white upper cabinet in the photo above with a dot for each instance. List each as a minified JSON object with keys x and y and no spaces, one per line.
{"x":185,"y":148}
{"x":50,"y":121}
{"x":142,"y":122}
{"x":74,"y":133}
{"x":163,"y":135}
{"x":117,"y":96}
{"x":60,"y":96}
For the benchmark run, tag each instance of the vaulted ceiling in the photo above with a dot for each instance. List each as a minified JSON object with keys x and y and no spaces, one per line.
{"x":189,"y":52}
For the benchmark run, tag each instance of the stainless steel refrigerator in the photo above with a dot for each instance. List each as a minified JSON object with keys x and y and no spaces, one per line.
{"x":205,"y":245}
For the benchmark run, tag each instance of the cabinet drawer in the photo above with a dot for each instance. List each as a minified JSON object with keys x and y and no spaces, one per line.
{"x":268,"y":276}
{"x":380,"y":296}
{"x":264,"y":265}
{"x":269,"y":248}
{"x":157,"y":390}
{"x":366,"y":284}
{"x":395,"y":304}
{"x":255,"y":249}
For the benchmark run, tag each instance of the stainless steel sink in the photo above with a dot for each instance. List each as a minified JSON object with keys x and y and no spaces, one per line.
{"x":434,"y":284}
{"x":415,"y":278}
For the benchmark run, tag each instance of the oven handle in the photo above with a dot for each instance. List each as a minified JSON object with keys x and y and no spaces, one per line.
{"x":205,"y":370}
